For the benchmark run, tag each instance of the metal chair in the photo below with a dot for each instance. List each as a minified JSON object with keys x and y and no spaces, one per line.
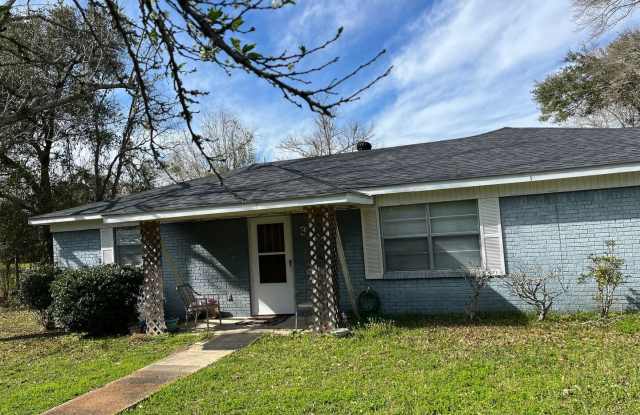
{"x":196,"y":303}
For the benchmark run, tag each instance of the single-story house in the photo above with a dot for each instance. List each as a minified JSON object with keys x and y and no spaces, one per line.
{"x":409,"y":217}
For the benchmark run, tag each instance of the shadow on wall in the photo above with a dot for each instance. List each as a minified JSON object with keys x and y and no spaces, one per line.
{"x":633,"y":298}
{"x":213,"y":258}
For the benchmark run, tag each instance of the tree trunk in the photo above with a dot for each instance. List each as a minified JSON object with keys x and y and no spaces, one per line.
{"x":17,"y":264}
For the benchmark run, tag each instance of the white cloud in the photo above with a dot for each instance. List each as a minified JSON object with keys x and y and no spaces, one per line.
{"x":469,"y":67}
{"x":460,"y":67}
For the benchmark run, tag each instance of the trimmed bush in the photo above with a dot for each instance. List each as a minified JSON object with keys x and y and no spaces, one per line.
{"x":97,"y":300}
{"x":34,"y":291}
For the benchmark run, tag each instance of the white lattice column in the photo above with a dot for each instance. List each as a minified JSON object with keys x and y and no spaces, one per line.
{"x":322,"y":267}
{"x":152,"y":290}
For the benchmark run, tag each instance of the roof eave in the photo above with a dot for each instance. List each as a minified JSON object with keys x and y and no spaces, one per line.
{"x":349,"y":198}
{"x":504,"y":179}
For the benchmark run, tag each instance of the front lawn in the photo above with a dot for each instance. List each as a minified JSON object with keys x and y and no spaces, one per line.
{"x":426,"y":366}
{"x":39,"y":371}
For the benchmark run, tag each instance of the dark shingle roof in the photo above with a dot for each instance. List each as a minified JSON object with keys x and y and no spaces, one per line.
{"x":502,"y":152}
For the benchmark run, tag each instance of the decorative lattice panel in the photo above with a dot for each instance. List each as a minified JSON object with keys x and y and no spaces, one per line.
{"x":152,"y":291}
{"x":322,"y":263}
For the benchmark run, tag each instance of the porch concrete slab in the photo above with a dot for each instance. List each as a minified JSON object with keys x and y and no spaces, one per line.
{"x":129,"y":390}
{"x":264,"y":325}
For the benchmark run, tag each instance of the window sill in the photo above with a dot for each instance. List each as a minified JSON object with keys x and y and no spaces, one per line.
{"x":430,"y":274}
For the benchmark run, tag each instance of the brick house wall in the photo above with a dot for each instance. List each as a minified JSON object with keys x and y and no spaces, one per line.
{"x":554,"y":231}
{"x":77,"y":248}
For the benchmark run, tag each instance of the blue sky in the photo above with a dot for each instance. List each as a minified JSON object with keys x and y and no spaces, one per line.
{"x":460,"y":67}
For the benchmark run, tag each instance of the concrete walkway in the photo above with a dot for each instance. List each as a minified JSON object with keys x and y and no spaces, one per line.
{"x":129,"y":390}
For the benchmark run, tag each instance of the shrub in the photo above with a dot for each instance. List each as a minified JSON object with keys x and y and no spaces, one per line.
{"x":34,"y":291}
{"x":537,"y":288}
{"x":97,"y":300}
{"x":606,"y":271}
{"x":477,"y":278}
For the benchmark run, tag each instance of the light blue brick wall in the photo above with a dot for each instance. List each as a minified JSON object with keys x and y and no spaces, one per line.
{"x":77,"y":248}
{"x":559,"y":231}
{"x":553,"y":231}
{"x":213,"y":257}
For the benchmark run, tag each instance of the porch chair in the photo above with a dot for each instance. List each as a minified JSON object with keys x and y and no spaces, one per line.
{"x":196,"y":303}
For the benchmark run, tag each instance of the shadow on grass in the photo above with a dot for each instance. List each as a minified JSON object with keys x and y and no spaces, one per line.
{"x":43,"y":335}
{"x":452,"y":320}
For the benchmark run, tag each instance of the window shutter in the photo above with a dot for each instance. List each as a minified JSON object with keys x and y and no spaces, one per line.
{"x":106,"y":245}
{"x":491,"y":235}
{"x":371,"y":243}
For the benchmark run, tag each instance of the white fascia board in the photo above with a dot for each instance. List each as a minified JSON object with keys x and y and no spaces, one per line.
{"x":348,"y":199}
{"x":507,"y":179}
{"x":63,"y":219}
{"x":86,"y":225}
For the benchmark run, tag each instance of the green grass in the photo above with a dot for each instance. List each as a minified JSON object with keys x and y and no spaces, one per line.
{"x":38,"y":372}
{"x":570,"y":365}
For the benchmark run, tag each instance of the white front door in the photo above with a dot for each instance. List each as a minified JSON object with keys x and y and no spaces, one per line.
{"x":272,"y":285}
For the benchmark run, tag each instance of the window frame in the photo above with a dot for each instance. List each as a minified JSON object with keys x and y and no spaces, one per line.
{"x":429,"y":236}
{"x":117,"y":246}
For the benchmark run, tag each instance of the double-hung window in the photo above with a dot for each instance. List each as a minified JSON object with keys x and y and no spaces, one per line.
{"x":434,"y":236}
{"x":128,"y":244}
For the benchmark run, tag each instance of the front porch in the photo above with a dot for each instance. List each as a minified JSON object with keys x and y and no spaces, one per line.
{"x":255,"y":266}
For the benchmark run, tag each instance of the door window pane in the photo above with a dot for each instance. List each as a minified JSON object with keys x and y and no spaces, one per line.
{"x":273,"y":269}
{"x":271,"y":237}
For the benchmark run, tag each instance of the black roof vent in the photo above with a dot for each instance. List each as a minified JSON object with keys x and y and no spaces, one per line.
{"x":363,"y":146}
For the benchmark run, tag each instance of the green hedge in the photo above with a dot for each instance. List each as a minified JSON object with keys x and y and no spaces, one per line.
{"x":34,"y":291}
{"x":97,"y":300}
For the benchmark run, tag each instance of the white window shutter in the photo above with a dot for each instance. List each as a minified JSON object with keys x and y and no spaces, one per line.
{"x":371,"y":243}
{"x":106,"y":245}
{"x":491,"y":235}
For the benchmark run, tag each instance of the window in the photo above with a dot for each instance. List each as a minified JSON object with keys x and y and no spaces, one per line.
{"x":431,"y":236}
{"x":128,"y":244}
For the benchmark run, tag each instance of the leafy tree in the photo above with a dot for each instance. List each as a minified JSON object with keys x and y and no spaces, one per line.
{"x":598,"y":88}
{"x":18,"y":244}
{"x":327,"y":138}
{"x":43,"y":156}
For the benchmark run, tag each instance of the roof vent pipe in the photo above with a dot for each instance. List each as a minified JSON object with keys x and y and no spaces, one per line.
{"x":363,"y":146}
